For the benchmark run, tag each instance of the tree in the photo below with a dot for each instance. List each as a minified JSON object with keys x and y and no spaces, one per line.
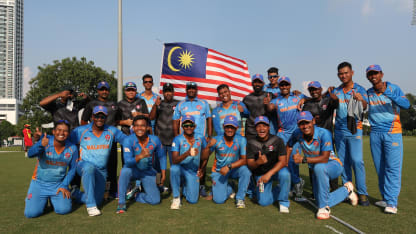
{"x":408,"y":117}
{"x":81,"y":75}
{"x":6,"y":130}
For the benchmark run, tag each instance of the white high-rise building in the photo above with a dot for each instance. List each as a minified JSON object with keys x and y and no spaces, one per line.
{"x":11,"y":59}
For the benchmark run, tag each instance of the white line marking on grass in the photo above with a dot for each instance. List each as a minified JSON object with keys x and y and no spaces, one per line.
{"x":339,"y":220}
{"x":333,"y":229}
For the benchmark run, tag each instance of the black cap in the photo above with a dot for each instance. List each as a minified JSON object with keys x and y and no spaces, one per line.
{"x":191,"y":85}
{"x":168,"y":87}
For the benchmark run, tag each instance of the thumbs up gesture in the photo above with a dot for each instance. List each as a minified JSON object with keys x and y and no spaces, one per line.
{"x":297,"y":158}
{"x":262,"y":159}
{"x":158,"y":101}
{"x":267,"y":99}
{"x":45,"y":140}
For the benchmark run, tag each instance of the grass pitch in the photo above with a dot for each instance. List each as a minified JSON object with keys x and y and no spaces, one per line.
{"x":205,"y":216}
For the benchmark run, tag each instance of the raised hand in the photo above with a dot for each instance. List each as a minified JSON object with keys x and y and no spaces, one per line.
{"x":297,"y":158}
{"x":45,"y":140}
{"x":158,"y":101}
{"x":262,"y":159}
{"x":267,"y":99}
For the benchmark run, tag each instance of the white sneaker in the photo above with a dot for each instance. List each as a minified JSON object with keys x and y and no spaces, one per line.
{"x":390,"y":210}
{"x":283,"y":209}
{"x":381,"y":203}
{"x":352,"y":195}
{"x":93,"y":211}
{"x":240,"y":204}
{"x":323,"y":213}
{"x":176,"y":203}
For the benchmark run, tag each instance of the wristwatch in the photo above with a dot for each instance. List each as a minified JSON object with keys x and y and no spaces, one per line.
{"x":304,"y":160}
{"x":229,"y":166}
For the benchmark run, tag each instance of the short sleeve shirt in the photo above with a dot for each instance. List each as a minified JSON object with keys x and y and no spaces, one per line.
{"x":198,"y":108}
{"x":226,"y":154}
{"x":126,"y":109}
{"x":112,"y":108}
{"x":180,"y":144}
{"x":219,"y":113}
{"x":164,"y":125}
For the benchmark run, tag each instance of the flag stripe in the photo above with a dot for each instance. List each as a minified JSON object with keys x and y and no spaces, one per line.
{"x":227,"y":56}
{"x":230,"y":63}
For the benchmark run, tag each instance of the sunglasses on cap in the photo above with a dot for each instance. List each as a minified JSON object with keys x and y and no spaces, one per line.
{"x":188,"y":125}
{"x":274,"y":76}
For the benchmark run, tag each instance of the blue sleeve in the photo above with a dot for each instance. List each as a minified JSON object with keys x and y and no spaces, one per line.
{"x":243,"y":146}
{"x":36,"y":150}
{"x":72,"y":168}
{"x":326,"y":141}
{"x":293,"y":138}
{"x":274,"y":102}
{"x":160,"y":155}
{"x":176,"y":112}
{"x":74,"y":137}
{"x":363,"y":93}
{"x":245,"y":112}
{"x":176,"y":144}
{"x":203,"y":142}
{"x":397,"y":96}
{"x":128,"y":153}
{"x":207,"y":109}
{"x":212,"y":148}
{"x":216,"y":121}
{"x":119,"y":135}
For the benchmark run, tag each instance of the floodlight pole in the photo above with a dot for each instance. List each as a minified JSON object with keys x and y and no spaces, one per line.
{"x":120,"y":54}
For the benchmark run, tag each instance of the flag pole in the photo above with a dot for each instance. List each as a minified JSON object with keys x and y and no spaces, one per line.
{"x":120,"y":54}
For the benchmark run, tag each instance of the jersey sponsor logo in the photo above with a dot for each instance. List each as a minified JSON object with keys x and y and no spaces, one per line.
{"x":150,"y":147}
{"x":138,"y":106}
{"x":395,"y":144}
{"x":271,"y":147}
{"x":127,"y":150}
{"x":55,"y":163}
{"x":199,"y":107}
{"x":67,"y":155}
{"x":107,"y":137}
{"x":327,"y":143}
{"x":230,"y":155}
{"x":281,"y":104}
{"x":221,"y":148}
{"x":87,"y":138}
{"x":193,"y":113}
{"x":97,"y":147}
{"x":173,"y":144}
{"x":358,"y":137}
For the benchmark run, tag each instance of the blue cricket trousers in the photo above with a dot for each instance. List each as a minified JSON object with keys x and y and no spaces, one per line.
{"x":221,"y":189}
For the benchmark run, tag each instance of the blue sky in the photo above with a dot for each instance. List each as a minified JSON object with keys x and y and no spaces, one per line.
{"x":305,"y":39}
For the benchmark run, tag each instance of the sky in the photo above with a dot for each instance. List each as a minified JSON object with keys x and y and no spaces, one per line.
{"x":305,"y":39}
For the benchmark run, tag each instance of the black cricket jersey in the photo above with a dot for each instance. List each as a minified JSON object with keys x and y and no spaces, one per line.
{"x":164,"y":118}
{"x":255,"y":106}
{"x":59,"y":111}
{"x":322,"y":110}
{"x":112,"y":110}
{"x":272,"y":148}
{"x":126,"y":108}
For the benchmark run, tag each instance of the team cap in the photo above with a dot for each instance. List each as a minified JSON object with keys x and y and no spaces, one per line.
{"x":130,"y":85}
{"x":314,"y":84}
{"x":261,"y":119}
{"x":373,"y":67}
{"x":103,"y":84}
{"x":100,"y":109}
{"x":188,"y":118}
{"x":284,"y":78}
{"x":257,"y":77}
{"x":231,"y":120}
{"x":304,"y":116}
{"x":168,"y":87}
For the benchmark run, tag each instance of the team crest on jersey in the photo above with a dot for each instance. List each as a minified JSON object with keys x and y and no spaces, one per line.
{"x":295,"y":100}
{"x":234,"y":107}
{"x":173,"y":107}
{"x":107,"y":137}
{"x":199,"y":107}
{"x":49,"y":153}
{"x":184,"y":145}
{"x":136,"y":149}
{"x":29,"y":196}
{"x":198,"y":143}
{"x":315,"y":143}
{"x":271,"y":148}
{"x":67,"y":155}
{"x":324,"y":107}
{"x":113,"y":107}
{"x":138,"y":107}
{"x":235,"y":147}
{"x":219,"y":111}
{"x":87,"y":138}
{"x":150,"y":147}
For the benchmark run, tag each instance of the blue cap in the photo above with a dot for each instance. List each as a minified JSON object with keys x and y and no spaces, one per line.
{"x":374,"y":67}
{"x":130,"y":85}
{"x":257,"y":77}
{"x":188,"y":118}
{"x":314,"y":84}
{"x":103,"y":84}
{"x":100,"y":109}
{"x":304,"y":116}
{"x":261,"y":119}
{"x":284,"y":78}
{"x":231,"y":120}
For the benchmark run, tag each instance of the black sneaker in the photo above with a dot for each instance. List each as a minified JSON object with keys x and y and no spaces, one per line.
{"x":363,"y":200}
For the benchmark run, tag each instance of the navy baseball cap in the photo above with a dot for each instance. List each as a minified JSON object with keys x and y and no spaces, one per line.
{"x":188,"y":118}
{"x":103,"y":84}
{"x":261,"y":119}
{"x":257,"y":77}
{"x":191,"y":85}
{"x":168,"y":87}
{"x":314,"y":84}
{"x":231,"y":120}
{"x":284,"y":78}
{"x":130,"y":85}
{"x":374,"y":67}
{"x":100,"y":109}
{"x":304,"y":116}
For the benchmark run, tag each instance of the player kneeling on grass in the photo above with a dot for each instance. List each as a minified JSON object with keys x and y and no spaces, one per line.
{"x":186,"y":157}
{"x":316,"y":144}
{"x":95,"y":141}
{"x":140,"y":150}
{"x":50,"y":179}
{"x":266,"y":158}
{"x":230,"y":162}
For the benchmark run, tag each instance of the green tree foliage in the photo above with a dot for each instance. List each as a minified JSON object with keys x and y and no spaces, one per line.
{"x":81,"y":75}
{"x":6,"y":130}
{"x":408,"y":117}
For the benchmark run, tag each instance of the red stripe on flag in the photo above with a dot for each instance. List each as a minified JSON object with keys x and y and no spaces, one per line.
{"x":227,"y":61}
{"x":228,"y":69}
{"x":211,"y":50}
{"x":204,"y":89}
{"x":232,"y":79}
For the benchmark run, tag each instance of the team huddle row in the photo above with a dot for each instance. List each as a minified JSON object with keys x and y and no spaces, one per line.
{"x":280,"y":125}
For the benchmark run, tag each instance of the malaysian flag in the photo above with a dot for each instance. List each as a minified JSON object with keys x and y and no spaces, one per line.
{"x":183,"y":62}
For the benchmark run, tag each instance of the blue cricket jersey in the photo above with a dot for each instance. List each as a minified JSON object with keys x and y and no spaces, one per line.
{"x":342,"y":110}
{"x":384,"y":109}
{"x":226,"y":154}
{"x":180,"y":144}
{"x":219,"y":113}
{"x":149,"y":103}
{"x":275,"y":91}
{"x":322,"y":141}
{"x":132,"y":147}
{"x":198,"y":108}
{"x":51,"y":166}
{"x":96,"y":149}
{"x":286,"y":111}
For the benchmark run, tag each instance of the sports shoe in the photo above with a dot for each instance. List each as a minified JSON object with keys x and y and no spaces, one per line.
{"x":121,"y":208}
{"x":130,"y":194}
{"x":363,"y":200}
{"x":93,"y":211}
{"x":176,"y":203}
{"x":390,"y":210}
{"x":323,"y":213}
{"x":381,"y":203}
{"x":283,"y":209}
{"x":240,"y":204}
{"x":26,"y":154}
{"x":351,"y":194}
{"x":202,"y":191}
{"x":298,"y":188}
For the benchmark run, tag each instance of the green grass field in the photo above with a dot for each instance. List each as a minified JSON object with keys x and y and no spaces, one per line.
{"x":205,"y":216}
